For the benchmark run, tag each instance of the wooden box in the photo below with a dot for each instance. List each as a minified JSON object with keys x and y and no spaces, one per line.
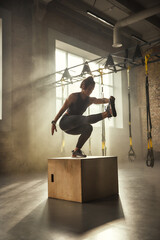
{"x":82,"y":179}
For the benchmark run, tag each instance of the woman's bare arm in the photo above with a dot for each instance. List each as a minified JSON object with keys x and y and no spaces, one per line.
{"x":65,"y":106}
{"x":98,"y":100}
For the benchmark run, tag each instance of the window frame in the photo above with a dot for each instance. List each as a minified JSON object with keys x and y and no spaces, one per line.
{"x":93,"y":108}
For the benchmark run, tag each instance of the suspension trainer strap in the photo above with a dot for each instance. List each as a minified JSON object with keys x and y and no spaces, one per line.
{"x":62,"y":134}
{"x":104,"y":148}
{"x":150,"y":156}
{"x":90,"y":145}
{"x":131,"y":153}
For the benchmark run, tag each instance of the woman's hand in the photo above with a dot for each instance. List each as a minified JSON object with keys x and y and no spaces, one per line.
{"x":53,"y":128}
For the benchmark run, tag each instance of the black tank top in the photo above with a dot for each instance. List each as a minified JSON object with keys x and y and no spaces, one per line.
{"x":79,"y":106}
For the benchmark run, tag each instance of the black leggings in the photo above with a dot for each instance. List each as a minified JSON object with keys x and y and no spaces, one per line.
{"x":78,"y":124}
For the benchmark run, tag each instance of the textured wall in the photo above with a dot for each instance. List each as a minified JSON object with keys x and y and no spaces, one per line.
{"x":25,"y":62}
{"x":139,"y":102}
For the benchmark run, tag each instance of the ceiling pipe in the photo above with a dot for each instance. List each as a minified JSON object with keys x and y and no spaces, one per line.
{"x":132,"y":19}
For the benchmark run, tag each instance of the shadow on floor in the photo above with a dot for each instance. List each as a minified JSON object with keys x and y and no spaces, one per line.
{"x":63,"y":216}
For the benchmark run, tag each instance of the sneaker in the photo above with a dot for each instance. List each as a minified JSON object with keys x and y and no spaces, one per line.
{"x":78,"y":153}
{"x":112,"y":104}
{"x":108,"y":110}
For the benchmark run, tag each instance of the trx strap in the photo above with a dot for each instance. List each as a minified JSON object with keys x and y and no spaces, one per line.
{"x":150,"y":156}
{"x":90,"y":146}
{"x":131,"y":153}
{"x":62,"y":134}
{"x":103,"y":122}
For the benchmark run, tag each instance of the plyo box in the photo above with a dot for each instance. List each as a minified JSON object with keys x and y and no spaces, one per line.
{"x":82,"y":179}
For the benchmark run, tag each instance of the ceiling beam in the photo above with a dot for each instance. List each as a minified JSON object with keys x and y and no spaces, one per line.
{"x":79,"y":11}
{"x":135,"y":7}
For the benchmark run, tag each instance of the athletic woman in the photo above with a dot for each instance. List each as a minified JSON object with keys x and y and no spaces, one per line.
{"x":73,"y":122}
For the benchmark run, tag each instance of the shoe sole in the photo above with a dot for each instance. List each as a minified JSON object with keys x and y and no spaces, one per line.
{"x":76,"y":156}
{"x":108,"y":111}
{"x":113,"y":107}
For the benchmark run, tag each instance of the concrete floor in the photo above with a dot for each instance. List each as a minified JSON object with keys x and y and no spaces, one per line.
{"x":27,"y":213}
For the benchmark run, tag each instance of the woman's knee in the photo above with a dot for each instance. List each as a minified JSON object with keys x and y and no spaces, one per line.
{"x":88,"y":128}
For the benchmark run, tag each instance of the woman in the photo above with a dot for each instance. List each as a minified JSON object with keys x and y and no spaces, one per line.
{"x":73,"y":122}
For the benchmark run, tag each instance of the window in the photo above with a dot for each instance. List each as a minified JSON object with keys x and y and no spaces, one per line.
{"x":65,"y":59}
{"x":0,"y":69}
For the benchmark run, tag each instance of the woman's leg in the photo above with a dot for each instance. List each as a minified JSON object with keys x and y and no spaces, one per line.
{"x":76,"y":125}
{"x":85,"y":130}
{"x":69,"y":122}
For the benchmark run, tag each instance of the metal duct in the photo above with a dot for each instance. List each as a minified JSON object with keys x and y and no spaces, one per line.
{"x":132,"y":19}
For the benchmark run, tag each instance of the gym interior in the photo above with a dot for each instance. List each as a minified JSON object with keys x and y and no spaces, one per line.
{"x":47,"y":47}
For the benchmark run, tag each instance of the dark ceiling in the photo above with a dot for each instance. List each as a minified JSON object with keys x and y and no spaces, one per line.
{"x":113,"y":11}
{"x":148,"y":29}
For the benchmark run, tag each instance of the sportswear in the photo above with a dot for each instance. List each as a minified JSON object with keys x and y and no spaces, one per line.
{"x":79,"y":106}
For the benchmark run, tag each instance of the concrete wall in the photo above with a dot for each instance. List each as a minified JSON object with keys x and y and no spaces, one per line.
{"x":139,"y":105}
{"x":25,"y":61}
{"x":28,"y":106}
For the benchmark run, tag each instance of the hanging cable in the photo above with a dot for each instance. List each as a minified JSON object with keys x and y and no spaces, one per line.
{"x":62,"y":134}
{"x":94,"y":3}
{"x":90,"y":144}
{"x":150,"y":156}
{"x":104,"y":149}
{"x":131,"y":153}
